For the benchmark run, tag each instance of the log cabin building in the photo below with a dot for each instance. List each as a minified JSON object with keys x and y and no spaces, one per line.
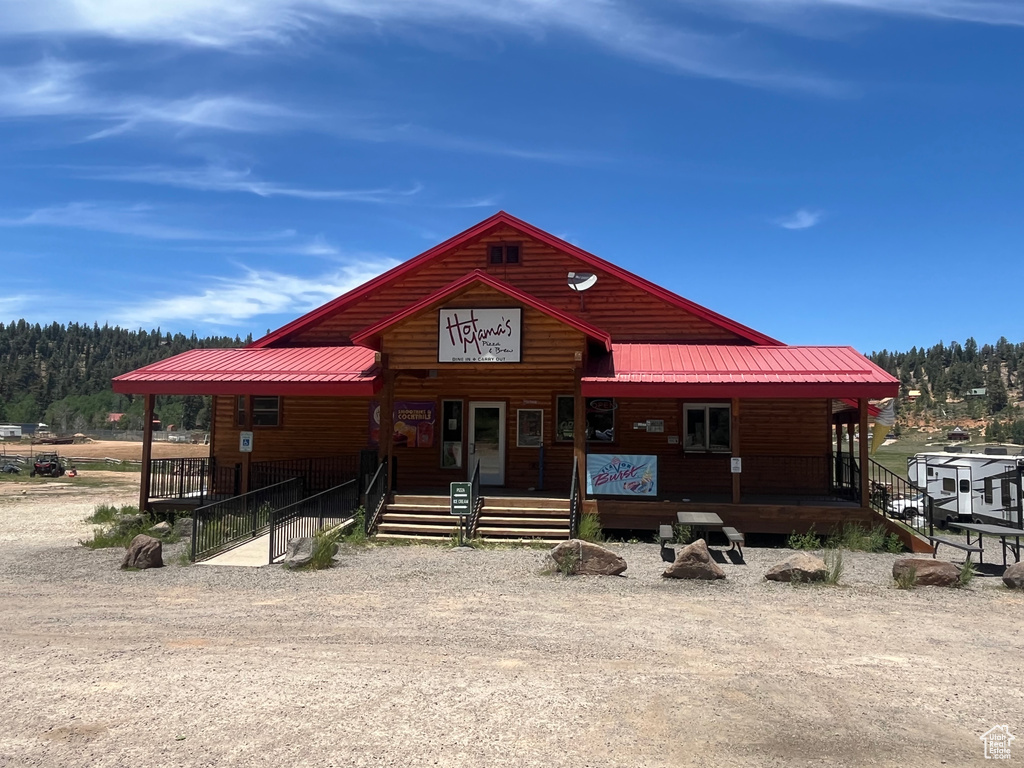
{"x":512,"y":352}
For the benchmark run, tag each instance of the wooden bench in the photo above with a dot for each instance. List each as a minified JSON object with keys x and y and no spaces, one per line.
{"x":735,"y":538}
{"x":937,"y":540}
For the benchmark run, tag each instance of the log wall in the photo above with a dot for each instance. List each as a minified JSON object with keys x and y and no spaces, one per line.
{"x":627,"y":312}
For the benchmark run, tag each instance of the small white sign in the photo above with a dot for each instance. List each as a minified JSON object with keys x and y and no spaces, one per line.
{"x":245,"y":442}
{"x":479,"y":335}
{"x":736,"y":465}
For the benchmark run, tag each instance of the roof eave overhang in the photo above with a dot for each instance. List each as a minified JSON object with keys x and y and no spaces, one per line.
{"x":364,"y":388}
{"x":781,"y":390}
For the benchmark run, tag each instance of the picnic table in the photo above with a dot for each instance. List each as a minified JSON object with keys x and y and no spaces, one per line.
{"x":703,"y":521}
{"x":1001,"y":532}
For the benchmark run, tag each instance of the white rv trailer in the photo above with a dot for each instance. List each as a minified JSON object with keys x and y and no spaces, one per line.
{"x":970,"y":487}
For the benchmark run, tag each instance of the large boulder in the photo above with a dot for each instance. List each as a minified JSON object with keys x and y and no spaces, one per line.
{"x":144,"y":552}
{"x":1013,"y":577}
{"x":300,"y":552}
{"x":587,"y":559}
{"x":800,"y":566}
{"x":183,"y":527}
{"x":694,"y":562}
{"x":928,"y":572}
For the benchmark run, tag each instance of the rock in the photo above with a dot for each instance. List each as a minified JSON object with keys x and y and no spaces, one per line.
{"x":300,"y":552}
{"x":144,"y":552}
{"x":183,"y":527}
{"x":694,"y":562}
{"x":587,"y":559}
{"x":929,"y":572}
{"x":1013,"y":577}
{"x":800,"y":566}
{"x":161,"y":528}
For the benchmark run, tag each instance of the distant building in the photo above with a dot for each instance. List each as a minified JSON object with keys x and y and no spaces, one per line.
{"x":913,"y":394}
{"x":10,"y":430}
{"x":113,"y":418}
{"x":978,"y":392}
{"x":958,"y":433}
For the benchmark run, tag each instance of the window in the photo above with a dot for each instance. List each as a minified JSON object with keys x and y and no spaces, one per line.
{"x":266,"y":411}
{"x":503,"y":253}
{"x":600,"y":424}
{"x":451,"y":434}
{"x":240,"y":408}
{"x":965,"y":486}
{"x":988,"y":490}
{"x":931,"y":471}
{"x":948,"y":484}
{"x":1004,"y":486}
{"x":708,"y":427}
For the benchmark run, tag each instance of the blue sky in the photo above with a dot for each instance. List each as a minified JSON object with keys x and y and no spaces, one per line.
{"x":826,"y":171}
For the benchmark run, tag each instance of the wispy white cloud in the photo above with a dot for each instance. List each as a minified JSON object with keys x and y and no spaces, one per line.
{"x":624,"y":29}
{"x":996,"y":12}
{"x":802,"y":218}
{"x":254,"y":293}
{"x":60,"y":89}
{"x":137,"y":220}
{"x":14,"y":305}
{"x":217,"y":178}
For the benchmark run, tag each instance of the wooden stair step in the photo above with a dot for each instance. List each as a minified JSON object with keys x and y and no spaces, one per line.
{"x":551,"y":511}
{"x":415,"y":507}
{"x":522,"y":533}
{"x":526,"y":501}
{"x":414,"y":528}
{"x":486,"y":519}
{"x":399,"y":517}
{"x":412,"y":537}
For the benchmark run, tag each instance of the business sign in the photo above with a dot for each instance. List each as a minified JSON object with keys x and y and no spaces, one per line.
{"x":245,"y":442}
{"x":622,"y":475}
{"x":413,"y":423}
{"x":480,"y":335}
{"x":462,"y":499}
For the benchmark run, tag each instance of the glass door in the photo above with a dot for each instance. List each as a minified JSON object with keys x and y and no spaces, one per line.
{"x":487,"y":442}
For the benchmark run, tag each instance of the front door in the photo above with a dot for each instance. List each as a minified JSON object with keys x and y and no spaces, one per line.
{"x":487,"y":442}
{"x":963,"y":490}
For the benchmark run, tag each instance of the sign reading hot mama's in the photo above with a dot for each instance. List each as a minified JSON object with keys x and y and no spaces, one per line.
{"x":622,"y":475}
{"x":480,"y":335}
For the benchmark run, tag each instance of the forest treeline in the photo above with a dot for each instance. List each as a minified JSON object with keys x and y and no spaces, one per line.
{"x":946,"y":375}
{"x":60,"y":375}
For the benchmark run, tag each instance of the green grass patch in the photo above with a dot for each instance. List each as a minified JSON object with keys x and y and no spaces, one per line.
{"x":966,"y":575}
{"x":907,"y":579}
{"x":590,"y":528}
{"x":834,"y":566}
{"x":807,"y":541}
{"x":118,"y":533}
{"x":858,"y":538}
{"x":107,"y":513}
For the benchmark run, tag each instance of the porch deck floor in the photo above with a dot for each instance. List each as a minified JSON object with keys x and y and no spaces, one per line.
{"x":252,"y":554}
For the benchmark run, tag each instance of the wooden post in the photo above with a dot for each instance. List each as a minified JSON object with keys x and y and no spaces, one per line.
{"x":579,"y":431}
{"x":147,"y":452}
{"x":849,"y":434}
{"x":736,"y":448}
{"x":387,"y":428}
{"x":865,"y":475}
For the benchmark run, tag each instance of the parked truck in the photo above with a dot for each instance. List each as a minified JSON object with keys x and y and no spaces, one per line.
{"x":970,"y":487}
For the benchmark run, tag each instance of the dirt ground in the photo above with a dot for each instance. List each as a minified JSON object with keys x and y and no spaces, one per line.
{"x":112,"y":449}
{"x":409,"y":656}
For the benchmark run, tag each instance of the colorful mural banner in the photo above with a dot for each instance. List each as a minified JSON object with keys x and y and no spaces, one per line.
{"x":622,"y":475}
{"x":414,"y":423}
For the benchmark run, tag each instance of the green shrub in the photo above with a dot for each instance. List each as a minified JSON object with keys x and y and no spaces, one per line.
{"x":966,"y":575}
{"x":590,"y":528}
{"x":907,"y":579}
{"x":569,"y":565}
{"x":857,"y":538}
{"x":682,"y":534}
{"x":834,"y":566}
{"x":325,"y":546}
{"x":893,"y":544}
{"x":356,"y":533}
{"x":807,"y":540}
{"x":119,"y":531}
{"x":107,"y":513}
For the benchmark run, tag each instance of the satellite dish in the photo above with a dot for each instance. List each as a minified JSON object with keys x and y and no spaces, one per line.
{"x":581,"y":281}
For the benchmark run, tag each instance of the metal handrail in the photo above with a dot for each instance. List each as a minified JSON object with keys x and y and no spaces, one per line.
{"x":574,"y":500}
{"x":376,"y":498}
{"x":901,"y":500}
{"x":307,"y":517}
{"x":478,"y":502}
{"x":230,"y":522}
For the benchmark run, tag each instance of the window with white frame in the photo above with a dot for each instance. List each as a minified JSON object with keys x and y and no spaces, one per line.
{"x":708,"y":427}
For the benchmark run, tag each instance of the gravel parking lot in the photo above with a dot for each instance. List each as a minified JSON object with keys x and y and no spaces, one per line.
{"x":407,"y":656}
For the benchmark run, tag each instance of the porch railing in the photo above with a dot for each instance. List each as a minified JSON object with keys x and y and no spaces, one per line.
{"x":845,"y":476}
{"x":198,"y":478}
{"x":575,"y":502}
{"x":899,"y":499}
{"x":377,"y":493}
{"x":226,"y":524}
{"x":307,"y":517}
{"x":319,"y":473}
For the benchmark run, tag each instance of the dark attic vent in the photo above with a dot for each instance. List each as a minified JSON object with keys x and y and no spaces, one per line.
{"x":503,"y":253}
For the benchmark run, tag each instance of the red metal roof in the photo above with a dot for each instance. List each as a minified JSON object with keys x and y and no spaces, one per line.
{"x":479,"y":276}
{"x":479,"y":230}
{"x":290,"y":371}
{"x":685,"y":370}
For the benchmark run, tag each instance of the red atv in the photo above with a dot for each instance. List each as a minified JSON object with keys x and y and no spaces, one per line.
{"x":48,"y":465}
